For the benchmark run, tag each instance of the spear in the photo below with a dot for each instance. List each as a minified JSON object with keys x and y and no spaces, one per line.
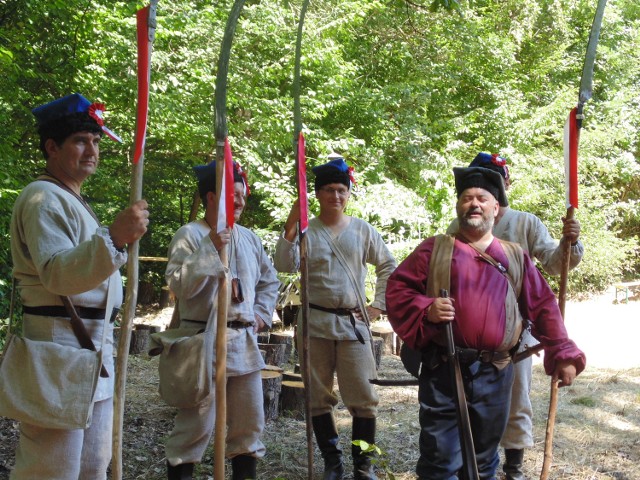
{"x":223,"y":291}
{"x":571,"y":141}
{"x":301,"y":176}
{"x":146,"y":27}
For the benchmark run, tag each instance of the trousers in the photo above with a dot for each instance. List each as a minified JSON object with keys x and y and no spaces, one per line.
{"x":488,"y":392}
{"x":66,"y":454}
{"x":354,"y":365}
{"x":193,"y":427}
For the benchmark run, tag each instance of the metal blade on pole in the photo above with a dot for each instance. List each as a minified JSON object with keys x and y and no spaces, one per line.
{"x":586,"y":90}
{"x":304,"y":270}
{"x":223,"y":292}
{"x":146,"y":35}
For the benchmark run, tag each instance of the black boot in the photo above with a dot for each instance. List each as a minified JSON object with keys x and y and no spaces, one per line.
{"x":243,"y":467}
{"x":513,"y":460}
{"x":363,"y":429}
{"x":324,"y":427}
{"x":184,"y":471}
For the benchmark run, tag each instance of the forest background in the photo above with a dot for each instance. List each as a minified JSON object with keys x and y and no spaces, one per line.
{"x":404,"y":90}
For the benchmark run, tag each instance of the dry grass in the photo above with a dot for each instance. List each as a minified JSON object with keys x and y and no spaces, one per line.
{"x":597,"y":434}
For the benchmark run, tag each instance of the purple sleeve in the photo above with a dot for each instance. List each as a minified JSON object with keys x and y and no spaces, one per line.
{"x":406,"y":299}
{"x":538,"y":303}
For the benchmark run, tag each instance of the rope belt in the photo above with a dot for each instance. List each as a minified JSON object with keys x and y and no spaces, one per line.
{"x":342,"y":312}
{"x":88,"y":313}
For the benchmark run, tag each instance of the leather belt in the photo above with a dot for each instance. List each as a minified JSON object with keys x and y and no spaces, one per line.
{"x":342,"y":312}
{"x":237,"y":325}
{"x":88,"y":313}
{"x":471,"y":355}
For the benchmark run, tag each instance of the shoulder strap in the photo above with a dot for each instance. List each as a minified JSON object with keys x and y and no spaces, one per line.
{"x":440,"y":265}
{"x":335,"y":248}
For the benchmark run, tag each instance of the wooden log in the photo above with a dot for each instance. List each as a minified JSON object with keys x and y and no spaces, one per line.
{"x":378,"y":347}
{"x":271,"y":387}
{"x":140,"y":338}
{"x":292,"y":376}
{"x":146,"y":293}
{"x":273,"y":368}
{"x":292,"y":399}
{"x":385,"y":332}
{"x":264,"y":354}
{"x":274,"y":353}
{"x":167,"y":298}
{"x":286,"y":338}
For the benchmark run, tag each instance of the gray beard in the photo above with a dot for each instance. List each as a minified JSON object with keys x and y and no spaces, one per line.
{"x":478,"y":225}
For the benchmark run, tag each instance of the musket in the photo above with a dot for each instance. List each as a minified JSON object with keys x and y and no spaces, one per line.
{"x":574,"y":124}
{"x":469,"y":464}
{"x":298,"y":140}
{"x":223,"y":291}
{"x":146,"y":28}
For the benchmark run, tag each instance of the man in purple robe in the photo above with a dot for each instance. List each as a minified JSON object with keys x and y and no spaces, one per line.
{"x":486,"y":310}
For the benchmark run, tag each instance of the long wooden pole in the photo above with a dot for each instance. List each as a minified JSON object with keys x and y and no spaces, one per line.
{"x":304,"y":270}
{"x":223,"y":292}
{"x":122,"y":355}
{"x":553,"y":393}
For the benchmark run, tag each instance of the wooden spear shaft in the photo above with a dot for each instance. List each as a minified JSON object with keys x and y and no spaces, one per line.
{"x":122,"y":355}
{"x":553,"y":395}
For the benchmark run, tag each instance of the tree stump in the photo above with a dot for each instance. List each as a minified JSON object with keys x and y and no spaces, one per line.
{"x":292,"y":376}
{"x":292,"y":399}
{"x":140,"y":338}
{"x":385,"y":332}
{"x":271,"y":387}
{"x":286,"y":338}
{"x":167,"y":299}
{"x":274,"y":353}
{"x":146,"y":293}
{"x":378,"y":347}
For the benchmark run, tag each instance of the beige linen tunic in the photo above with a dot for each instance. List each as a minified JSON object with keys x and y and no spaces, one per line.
{"x":329,"y":284}
{"x":58,"y":248}
{"x":193,"y":272}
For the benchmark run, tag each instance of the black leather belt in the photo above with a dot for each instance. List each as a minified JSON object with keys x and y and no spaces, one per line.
{"x":89,"y":313}
{"x":342,"y":312}
{"x":238,"y":325}
{"x":470,"y":355}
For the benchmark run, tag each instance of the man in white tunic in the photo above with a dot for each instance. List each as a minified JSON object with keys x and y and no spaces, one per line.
{"x":532,"y":235}
{"x":193,"y":272}
{"x":339,"y":247}
{"x":59,"y":248}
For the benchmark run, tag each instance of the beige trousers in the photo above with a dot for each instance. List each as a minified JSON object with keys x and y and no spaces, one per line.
{"x":193,"y":427}
{"x":354,"y":365}
{"x":66,"y":454}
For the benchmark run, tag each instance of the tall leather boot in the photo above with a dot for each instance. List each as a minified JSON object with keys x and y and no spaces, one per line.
{"x":324,"y":428}
{"x":363,"y":429}
{"x":184,"y":471}
{"x":243,"y":467}
{"x":514,"y":458}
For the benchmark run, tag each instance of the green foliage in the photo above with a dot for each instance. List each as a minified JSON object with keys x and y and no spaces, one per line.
{"x":406,"y":90}
{"x":379,"y":457}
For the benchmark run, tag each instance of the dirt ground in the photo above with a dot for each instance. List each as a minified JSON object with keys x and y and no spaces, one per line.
{"x":597,"y":432}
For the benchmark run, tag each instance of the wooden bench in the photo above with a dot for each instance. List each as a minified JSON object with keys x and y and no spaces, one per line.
{"x":625,"y":286}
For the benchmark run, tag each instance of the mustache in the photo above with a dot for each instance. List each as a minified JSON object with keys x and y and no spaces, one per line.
{"x":472,"y":211}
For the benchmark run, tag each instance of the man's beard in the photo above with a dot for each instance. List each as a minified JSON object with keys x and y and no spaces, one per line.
{"x":479,"y":225}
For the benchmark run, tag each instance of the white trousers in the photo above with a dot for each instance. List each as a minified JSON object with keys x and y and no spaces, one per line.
{"x":193,"y":427}
{"x":55,"y":454}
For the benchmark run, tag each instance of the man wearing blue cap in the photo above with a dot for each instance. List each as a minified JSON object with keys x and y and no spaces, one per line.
{"x":339,"y":249}
{"x":59,"y":248}
{"x":491,"y":285}
{"x":193,"y":273}
{"x":532,"y":235}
